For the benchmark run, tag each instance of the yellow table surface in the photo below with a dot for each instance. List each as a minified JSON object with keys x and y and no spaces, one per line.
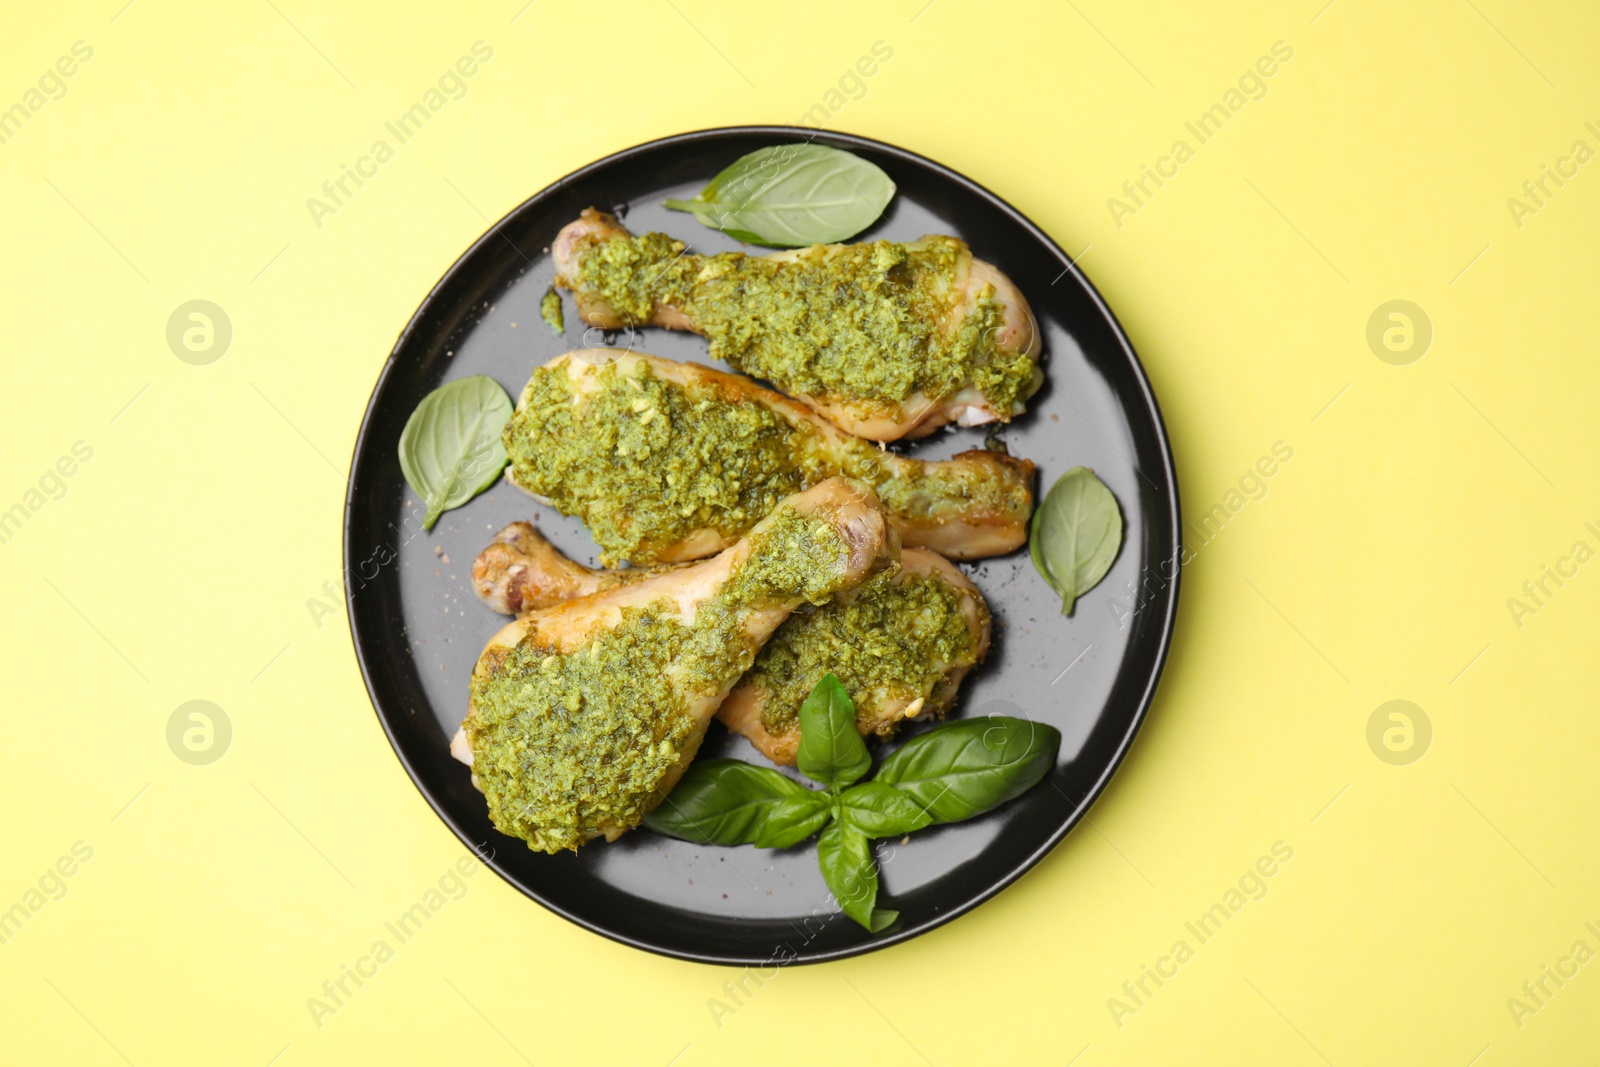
{"x":185,"y":558}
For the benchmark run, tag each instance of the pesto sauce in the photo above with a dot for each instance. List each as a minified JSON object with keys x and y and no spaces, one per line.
{"x":558,"y":755}
{"x":919,"y":493}
{"x":883,"y":643}
{"x":550,"y":311}
{"x":645,"y":462}
{"x":864,"y":322}
{"x":568,"y":745}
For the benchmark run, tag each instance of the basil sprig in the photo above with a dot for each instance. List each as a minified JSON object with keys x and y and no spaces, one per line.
{"x":952,"y":772}
{"x":1075,"y":535}
{"x":792,"y":195}
{"x":450,"y":450}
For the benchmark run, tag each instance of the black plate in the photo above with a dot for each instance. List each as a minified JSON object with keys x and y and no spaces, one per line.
{"x":418,"y":627}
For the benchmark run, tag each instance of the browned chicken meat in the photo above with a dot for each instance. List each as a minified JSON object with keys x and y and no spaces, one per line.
{"x":885,"y":340}
{"x":520,"y":572}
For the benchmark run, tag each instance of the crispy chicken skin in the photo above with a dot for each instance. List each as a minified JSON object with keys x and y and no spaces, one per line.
{"x":973,"y":505}
{"x":559,"y":770}
{"x":520,"y":571}
{"x":968,"y":288}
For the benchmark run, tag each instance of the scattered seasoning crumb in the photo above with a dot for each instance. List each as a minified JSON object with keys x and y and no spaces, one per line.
{"x":438,"y":550}
{"x":550,"y":311}
{"x":513,"y":326}
{"x":906,"y":840}
{"x":1055,"y":418}
{"x":444,"y":559}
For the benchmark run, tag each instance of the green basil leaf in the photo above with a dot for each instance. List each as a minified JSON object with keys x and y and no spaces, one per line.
{"x":450,"y":449}
{"x":730,"y":802}
{"x":831,"y":750}
{"x":1075,"y":535}
{"x":793,"y":195}
{"x":966,"y":768}
{"x":878,"y":809}
{"x":793,"y":819}
{"x":845,"y":856}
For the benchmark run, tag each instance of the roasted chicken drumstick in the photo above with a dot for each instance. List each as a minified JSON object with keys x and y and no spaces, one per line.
{"x":669,"y":461}
{"x":885,"y":340}
{"x":583,"y":716}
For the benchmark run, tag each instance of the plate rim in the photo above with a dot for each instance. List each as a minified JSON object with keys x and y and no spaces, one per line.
{"x":1167,"y":623}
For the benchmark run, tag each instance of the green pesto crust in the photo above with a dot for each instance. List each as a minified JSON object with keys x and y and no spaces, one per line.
{"x":566,"y":745}
{"x":646,"y":462}
{"x":897,"y":637}
{"x":867,"y":322}
{"x":550,"y":311}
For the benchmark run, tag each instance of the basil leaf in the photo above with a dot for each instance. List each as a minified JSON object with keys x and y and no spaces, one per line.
{"x":730,"y":802}
{"x":793,"y":819}
{"x":847,"y":865}
{"x":966,"y":768}
{"x":793,"y":195}
{"x":450,"y":449}
{"x":831,"y":751}
{"x":1075,"y":534}
{"x":878,"y":809}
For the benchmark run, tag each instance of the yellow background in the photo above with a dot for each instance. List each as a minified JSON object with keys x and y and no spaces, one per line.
{"x":180,"y":562}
